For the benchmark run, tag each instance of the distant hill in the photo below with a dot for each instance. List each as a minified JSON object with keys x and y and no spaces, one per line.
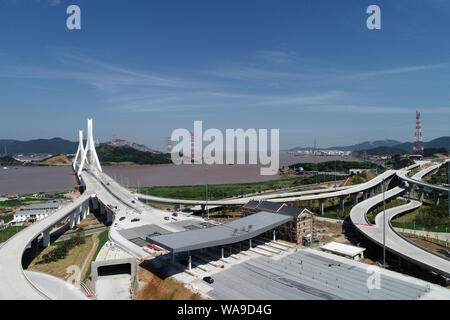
{"x":360,"y":146}
{"x":110,"y":154}
{"x":377,"y":146}
{"x":380,"y":151}
{"x":51,"y":146}
{"x":442,"y":142}
{"x":58,"y":146}
{"x":125,"y":143}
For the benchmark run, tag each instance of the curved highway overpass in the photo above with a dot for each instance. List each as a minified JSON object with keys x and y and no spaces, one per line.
{"x":15,"y":284}
{"x":284,"y":197}
{"x":417,"y":178}
{"x":394,"y":241}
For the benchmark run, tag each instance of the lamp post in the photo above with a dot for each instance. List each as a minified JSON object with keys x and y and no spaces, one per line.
{"x":334,"y":174}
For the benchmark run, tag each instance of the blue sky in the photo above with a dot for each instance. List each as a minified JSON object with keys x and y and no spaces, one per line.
{"x":143,"y":68}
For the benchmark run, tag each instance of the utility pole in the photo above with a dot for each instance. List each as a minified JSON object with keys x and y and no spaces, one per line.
{"x":315,"y":157}
{"x":384,"y":224}
{"x":334,"y":174}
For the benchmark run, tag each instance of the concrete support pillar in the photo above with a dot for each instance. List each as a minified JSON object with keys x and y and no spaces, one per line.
{"x":173,"y":257}
{"x":190,"y":263}
{"x":222,"y":253}
{"x":321,"y":207}
{"x":355,"y":199}
{"x":364,"y":195}
{"x":411,"y":191}
{"x":341,"y":202}
{"x":274,"y":235}
{"x":72,"y":220}
{"x":176,"y":207}
{"x":46,"y":238}
{"x":85,"y":209}
{"x":250,"y":243}
{"x":436,"y":197}
{"x":109,"y":216}
{"x":372,"y":192}
{"x":421,"y":192}
{"x":102,"y":208}
{"x":77,"y":214}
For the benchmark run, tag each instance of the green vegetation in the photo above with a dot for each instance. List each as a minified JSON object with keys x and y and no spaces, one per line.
{"x":341,"y":166}
{"x":7,"y":204}
{"x":382,"y":151}
{"x":429,"y":152}
{"x":428,"y":217}
{"x":439,"y":178}
{"x":102,"y":239}
{"x":108,"y":154}
{"x":9,"y":232}
{"x":220,"y":191}
{"x":63,"y":248}
{"x":397,"y":162}
{"x":7,"y":217}
{"x":376,"y":210}
{"x":9,"y":161}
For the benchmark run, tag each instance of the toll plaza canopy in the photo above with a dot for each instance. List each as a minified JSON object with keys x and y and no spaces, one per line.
{"x":227,"y":233}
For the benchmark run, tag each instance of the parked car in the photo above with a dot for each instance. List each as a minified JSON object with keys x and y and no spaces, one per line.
{"x":132,"y":201}
{"x":121,"y":218}
{"x":166,"y":218}
{"x":175,"y":214}
{"x":208,"y":279}
{"x":135,"y":220}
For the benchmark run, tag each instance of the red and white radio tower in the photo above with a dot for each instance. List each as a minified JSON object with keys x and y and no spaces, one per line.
{"x":418,"y":142}
{"x":169,"y":144}
{"x":192,"y":147}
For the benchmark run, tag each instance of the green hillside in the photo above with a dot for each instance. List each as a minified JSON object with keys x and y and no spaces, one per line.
{"x":109,"y":154}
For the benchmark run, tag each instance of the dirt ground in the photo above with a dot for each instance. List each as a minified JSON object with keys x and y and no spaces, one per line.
{"x":333,"y":232}
{"x":58,"y":268}
{"x":90,"y":220}
{"x":60,"y":160}
{"x":427,"y":244}
{"x":72,"y":195}
{"x":152,"y":287}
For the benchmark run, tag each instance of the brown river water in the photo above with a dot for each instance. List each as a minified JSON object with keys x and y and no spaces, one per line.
{"x":52,"y":179}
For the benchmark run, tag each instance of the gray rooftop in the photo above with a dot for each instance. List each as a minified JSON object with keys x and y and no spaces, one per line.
{"x":43,"y":206}
{"x":252,"y":204}
{"x":291,"y":211}
{"x":269,"y":206}
{"x":231,"y":232}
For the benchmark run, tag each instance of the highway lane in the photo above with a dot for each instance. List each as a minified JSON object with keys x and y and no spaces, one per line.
{"x":283,"y":197}
{"x":400,"y":245}
{"x":416,"y":179}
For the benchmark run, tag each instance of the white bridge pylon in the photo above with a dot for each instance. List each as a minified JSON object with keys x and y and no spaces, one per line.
{"x":80,"y":152}
{"x":88,"y":155}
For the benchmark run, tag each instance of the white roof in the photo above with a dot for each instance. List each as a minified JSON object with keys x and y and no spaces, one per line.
{"x":342,"y":248}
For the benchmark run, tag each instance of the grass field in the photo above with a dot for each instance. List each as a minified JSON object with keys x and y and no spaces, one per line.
{"x":76,"y":256}
{"x":428,"y":217}
{"x":9,"y":232}
{"x":220,"y":191}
